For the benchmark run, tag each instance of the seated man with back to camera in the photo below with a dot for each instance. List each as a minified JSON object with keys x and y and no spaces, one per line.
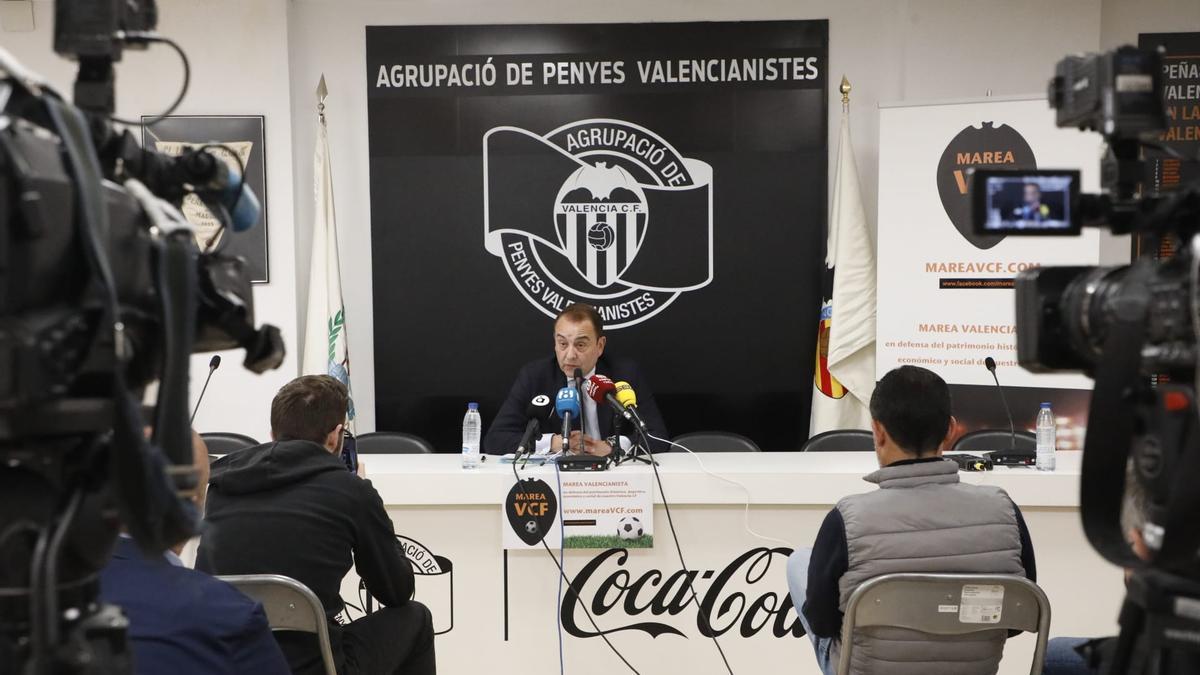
{"x":183,"y":621}
{"x":579,"y":343}
{"x":922,"y":519}
{"x":291,"y":507}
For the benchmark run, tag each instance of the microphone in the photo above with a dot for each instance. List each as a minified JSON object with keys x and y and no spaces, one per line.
{"x":537,"y":410}
{"x":601,"y":389}
{"x":215,"y":181}
{"x":990,"y":363}
{"x":213,"y":363}
{"x":566,"y":404}
{"x":628,"y":401}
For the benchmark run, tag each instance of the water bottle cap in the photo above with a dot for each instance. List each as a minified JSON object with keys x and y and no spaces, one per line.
{"x":472,"y":406}
{"x":1045,"y":404}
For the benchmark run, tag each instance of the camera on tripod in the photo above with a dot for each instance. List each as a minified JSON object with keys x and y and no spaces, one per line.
{"x":103,"y":291}
{"x":1133,"y":329}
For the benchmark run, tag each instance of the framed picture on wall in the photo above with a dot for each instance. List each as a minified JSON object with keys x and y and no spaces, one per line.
{"x":241,"y":134}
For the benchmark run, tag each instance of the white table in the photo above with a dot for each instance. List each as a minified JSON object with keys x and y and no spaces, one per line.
{"x":456,"y":515}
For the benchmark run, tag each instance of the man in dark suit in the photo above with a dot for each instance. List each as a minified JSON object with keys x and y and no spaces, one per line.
{"x":579,"y":342}
{"x":1033,"y":209}
{"x":182,"y":621}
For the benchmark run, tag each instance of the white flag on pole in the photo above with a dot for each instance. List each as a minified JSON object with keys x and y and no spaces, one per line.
{"x":326,"y":351}
{"x":845,"y":360}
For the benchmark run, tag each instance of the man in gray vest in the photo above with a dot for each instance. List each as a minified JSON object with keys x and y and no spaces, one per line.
{"x":922,"y":519}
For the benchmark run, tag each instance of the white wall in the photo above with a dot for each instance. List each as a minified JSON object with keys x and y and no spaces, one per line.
{"x":1122,"y":20}
{"x":270,"y":53}
{"x":897,"y":50}
{"x":239,"y":63}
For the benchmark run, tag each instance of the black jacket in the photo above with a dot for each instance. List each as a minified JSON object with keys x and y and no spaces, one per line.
{"x":292,"y":508}
{"x":543,"y":376}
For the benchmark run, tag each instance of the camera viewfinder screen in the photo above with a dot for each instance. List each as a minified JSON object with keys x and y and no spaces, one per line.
{"x":1031,"y":203}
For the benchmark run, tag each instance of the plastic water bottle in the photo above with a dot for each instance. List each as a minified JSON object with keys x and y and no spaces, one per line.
{"x":1045,"y":438}
{"x":472,"y":432}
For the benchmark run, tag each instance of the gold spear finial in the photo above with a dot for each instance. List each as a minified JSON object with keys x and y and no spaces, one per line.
{"x":322,"y":93}
{"x":845,"y":89}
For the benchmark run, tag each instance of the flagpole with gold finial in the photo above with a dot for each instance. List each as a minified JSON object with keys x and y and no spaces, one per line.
{"x":323,"y":92}
{"x":845,"y":89}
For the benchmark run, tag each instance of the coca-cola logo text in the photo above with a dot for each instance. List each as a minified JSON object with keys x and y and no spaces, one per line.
{"x":605,"y":585}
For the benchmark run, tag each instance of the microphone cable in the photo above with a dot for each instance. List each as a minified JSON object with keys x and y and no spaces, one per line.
{"x":705,"y":625}
{"x":746,"y":511}
{"x":139,"y":37}
{"x":562,"y":664}
{"x":571,"y":586}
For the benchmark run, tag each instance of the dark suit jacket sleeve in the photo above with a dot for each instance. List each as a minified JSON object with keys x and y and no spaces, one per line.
{"x":505,"y":432}
{"x":377,"y":555}
{"x":254,"y":649}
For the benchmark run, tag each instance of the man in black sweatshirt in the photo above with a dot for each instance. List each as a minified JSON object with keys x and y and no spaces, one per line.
{"x":290,"y":507}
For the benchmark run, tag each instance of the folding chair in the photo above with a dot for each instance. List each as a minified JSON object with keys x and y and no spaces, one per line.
{"x":289,"y":605}
{"x":225,"y":442}
{"x":840,"y":440}
{"x":923,"y":602}
{"x":394,"y":443}
{"x":717,"y":441}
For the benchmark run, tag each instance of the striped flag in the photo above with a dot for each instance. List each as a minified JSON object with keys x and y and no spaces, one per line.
{"x":326,"y":350}
{"x":845,"y":361}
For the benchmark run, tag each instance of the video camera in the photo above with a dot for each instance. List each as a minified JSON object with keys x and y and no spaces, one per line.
{"x":103,"y":291}
{"x":1133,"y":329}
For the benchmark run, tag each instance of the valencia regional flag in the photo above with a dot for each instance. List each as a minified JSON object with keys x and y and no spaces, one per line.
{"x":845,"y":359}
{"x":326,"y":341}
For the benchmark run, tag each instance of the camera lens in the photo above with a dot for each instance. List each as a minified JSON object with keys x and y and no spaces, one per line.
{"x":1088,"y":307}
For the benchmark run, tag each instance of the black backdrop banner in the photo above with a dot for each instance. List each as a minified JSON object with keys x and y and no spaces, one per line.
{"x":672,"y":175}
{"x":1181,"y":96}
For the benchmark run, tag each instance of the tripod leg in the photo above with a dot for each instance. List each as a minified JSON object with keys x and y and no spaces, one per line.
{"x":1132,"y":621}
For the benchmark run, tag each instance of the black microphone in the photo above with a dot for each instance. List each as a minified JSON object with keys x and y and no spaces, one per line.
{"x":212,"y":368}
{"x":537,"y":410}
{"x":1012,"y":431}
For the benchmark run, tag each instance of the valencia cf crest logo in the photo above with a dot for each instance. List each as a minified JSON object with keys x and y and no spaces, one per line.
{"x":601,"y":215}
{"x":599,"y":211}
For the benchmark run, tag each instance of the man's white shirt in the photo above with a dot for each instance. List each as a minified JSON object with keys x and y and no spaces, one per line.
{"x":591,"y":420}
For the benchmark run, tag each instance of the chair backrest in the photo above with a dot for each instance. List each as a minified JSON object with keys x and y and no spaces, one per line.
{"x":935,"y":604}
{"x":986,"y":440}
{"x":393,"y":443}
{"x":716,"y":441}
{"x":840,"y":440}
{"x":225,"y":442}
{"x":289,"y":605}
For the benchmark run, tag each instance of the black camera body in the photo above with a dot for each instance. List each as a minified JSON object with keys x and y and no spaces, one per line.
{"x":1064,"y":316}
{"x":103,"y":290}
{"x":85,"y":28}
{"x":1118,"y":93}
{"x":1133,"y":329}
